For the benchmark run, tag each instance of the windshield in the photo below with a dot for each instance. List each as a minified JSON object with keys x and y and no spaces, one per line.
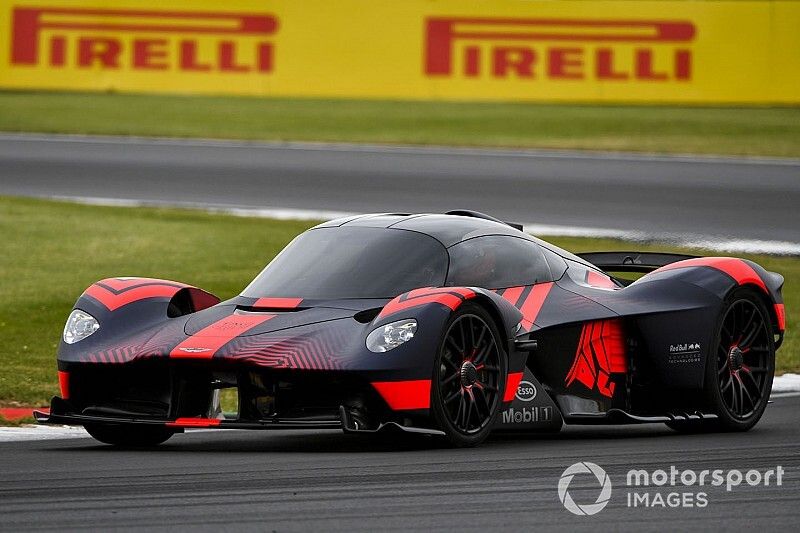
{"x":352,"y":263}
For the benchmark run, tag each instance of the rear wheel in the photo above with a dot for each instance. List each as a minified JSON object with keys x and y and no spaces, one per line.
{"x":739,"y":371}
{"x":468,"y":377}
{"x":135,"y":436}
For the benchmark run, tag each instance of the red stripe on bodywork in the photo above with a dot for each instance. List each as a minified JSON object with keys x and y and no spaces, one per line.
{"x":533,"y":304}
{"x":449,"y":300}
{"x":512,"y":384}
{"x":278,"y":303}
{"x":425,"y":291}
{"x":402,"y":395}
{"x":114,"y":293}
{"x":512,"y":294}
{"x":451,"y":297}
{"x":780,"y":312}
{"x":123,"y":284}
{"x":115,"y":301}
{"x":194,"y":423}
{"x":600,"y":281}
{"x":735,"y":268}
{"x":206,"y":342}
{"x":63,"y":384}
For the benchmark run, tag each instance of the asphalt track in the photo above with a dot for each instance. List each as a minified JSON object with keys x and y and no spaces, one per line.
{"x":721,"y":198}
{"x":328,"y":481}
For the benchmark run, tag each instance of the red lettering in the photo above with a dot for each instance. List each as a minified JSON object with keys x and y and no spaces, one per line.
{"x":605,"y":66}
{"x":227,"y":58}
{"x":178,"y":29}
{"x":446,"y":35}
{"x":146,"y":52}
{"x":265,"y":57}
{"x":189,"y":57}
{"x":58,"y":51}
{"x":517,"y":59}
{"x":683,"y":65}
{"x":472,"y":58}
{"x":563,"y":62}
{"x":25,"y":41}
{"x":644,"y":66}
{"x":439,"y":49}
{"x":104,"y":50}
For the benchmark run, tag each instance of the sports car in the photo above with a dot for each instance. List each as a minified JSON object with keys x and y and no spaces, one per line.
{"x":453,"y":325}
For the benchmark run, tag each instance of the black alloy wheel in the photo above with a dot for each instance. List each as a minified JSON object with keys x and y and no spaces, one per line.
{"x":468,"y":377}
{"x":745,"y":360}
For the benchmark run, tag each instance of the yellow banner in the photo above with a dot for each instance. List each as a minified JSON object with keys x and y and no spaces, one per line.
{"x":515,"y":50}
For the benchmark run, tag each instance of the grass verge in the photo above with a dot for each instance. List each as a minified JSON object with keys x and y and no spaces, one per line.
{"x":53,"y":250}
{"x":740,"y":131}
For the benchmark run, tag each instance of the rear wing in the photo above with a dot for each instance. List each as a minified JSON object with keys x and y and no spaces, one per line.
{"x":632,"y":261}
{"x":478,"y":214}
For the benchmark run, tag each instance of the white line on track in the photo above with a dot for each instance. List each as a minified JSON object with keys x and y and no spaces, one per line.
{"x":787,"y":383}
{"x":402,"y":149}
{"x":42,"y":432}
{"x":31,"y":432}
{"x":689,"y":240}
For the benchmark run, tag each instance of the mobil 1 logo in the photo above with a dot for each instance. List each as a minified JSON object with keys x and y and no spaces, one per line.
{"x":531,"y":408}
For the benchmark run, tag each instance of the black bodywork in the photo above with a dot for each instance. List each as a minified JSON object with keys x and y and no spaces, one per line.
{"x":583,"y":345}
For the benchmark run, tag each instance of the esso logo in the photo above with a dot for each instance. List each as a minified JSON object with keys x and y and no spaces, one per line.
{"x":526,"y":391}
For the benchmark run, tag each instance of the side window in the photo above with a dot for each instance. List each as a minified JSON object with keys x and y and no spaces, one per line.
{"x":496,"y":262}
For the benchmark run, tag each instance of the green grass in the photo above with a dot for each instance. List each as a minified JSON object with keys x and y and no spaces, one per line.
{"x":53,"y":250}
{"x":742,"y":131}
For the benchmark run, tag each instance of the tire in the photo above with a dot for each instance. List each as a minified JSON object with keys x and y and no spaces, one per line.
{"x":468,"y":377}
{"x":740,"y":369}
{"x":133,"y":435}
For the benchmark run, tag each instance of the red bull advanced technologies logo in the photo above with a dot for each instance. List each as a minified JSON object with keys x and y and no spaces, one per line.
{"x":143,"y":40}
{"x":559,"y":49}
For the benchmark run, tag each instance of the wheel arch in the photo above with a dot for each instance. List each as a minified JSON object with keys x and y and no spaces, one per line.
{"x":505,"y":316}
{"x":732,"y":273}
{"x":773,"y":308}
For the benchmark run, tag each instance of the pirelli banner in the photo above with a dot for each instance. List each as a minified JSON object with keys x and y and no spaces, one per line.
{"x":517,"y":50}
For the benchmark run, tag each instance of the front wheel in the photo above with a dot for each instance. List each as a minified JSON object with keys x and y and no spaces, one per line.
{"x":133,"y":435}
{"x":468,"y":377}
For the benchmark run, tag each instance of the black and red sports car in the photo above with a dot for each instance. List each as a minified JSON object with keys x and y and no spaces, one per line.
{"x":454,"y":325}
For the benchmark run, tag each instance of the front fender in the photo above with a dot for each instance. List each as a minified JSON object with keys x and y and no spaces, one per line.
{"x":433,"y":306}
{"x":131,"y":309}
{"x":508,"y":317}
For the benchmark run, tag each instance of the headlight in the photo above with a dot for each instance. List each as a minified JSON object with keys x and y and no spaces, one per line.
{"x":391,"y":335}
{"x":79,"y":326}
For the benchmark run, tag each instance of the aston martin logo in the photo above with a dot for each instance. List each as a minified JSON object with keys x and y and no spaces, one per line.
{"x":195,"y":350}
